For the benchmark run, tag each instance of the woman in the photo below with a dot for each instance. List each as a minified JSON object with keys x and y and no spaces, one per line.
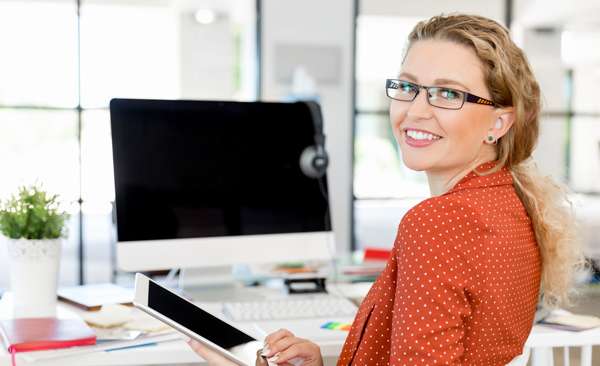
{"x":468,"y":264}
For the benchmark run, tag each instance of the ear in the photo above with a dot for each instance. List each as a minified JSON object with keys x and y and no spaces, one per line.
{"x":504,"y":119}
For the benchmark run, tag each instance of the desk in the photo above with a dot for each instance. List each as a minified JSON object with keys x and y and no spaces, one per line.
{"x":177,"y":352}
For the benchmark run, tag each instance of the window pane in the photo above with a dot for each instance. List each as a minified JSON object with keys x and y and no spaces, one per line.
{"x":39,"y":146}
{"x":99,"y":239}
{"x":97,"y":186}
{"x":585,"y":154}
{"x":127,"y":50}
{"x":586,"y":79}
{"x":377,"y":61}
{"x":550,"y":153}
{"x":42,"y":146}
{"x":378,"y":168}
{"x":583,"y":60}
{"x":69,"y":265}
{"x":376,"y":220}
{"x":38,"y":40}
{"x":97,"y":182}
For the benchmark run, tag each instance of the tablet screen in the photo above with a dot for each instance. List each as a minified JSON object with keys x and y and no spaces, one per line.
{"x":194,"y":318}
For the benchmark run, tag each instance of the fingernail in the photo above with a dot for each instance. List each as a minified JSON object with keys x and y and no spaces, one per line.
{"x":265,"y":351}
{"x":297,"y":361}
{"x":274,"y":358}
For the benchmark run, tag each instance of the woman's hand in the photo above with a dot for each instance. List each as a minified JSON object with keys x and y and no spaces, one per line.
{"x":215,"y":359}
{"x":212,"y":357}
{"x":283,"y":348}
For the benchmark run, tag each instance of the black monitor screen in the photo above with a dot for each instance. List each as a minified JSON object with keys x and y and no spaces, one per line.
{"x":189,"y":169}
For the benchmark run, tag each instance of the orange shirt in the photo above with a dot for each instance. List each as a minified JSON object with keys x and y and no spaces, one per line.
{"x":461,"y":285}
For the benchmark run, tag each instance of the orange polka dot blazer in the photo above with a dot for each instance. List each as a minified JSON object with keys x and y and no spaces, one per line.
{"x":461,"y":285}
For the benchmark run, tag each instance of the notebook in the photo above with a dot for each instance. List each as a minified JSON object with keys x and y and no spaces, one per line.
{"x":92,"y":297}
{"x":36,"y":334}
{"x":572,"y":322}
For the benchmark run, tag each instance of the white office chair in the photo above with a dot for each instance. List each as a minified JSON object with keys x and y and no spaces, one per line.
{"x":544,"y":356}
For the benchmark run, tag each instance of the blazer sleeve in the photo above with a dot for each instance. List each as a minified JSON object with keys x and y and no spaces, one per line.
{"x":434,"y":273}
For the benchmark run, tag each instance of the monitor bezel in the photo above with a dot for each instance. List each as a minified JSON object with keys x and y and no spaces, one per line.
{"x":219,"y":251}
{"x":151,"y":255}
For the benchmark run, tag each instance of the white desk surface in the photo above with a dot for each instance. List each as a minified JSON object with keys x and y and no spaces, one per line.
{"x":178,"y":352}
{"x":175,"y":351}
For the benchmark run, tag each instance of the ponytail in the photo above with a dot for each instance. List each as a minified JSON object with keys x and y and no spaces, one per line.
{"x":556,"y":231}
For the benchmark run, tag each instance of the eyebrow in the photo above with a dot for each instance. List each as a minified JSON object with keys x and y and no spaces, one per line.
{"x":413,"y":78}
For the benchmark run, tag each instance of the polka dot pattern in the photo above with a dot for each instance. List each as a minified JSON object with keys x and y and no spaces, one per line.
{"x":461,"y":285}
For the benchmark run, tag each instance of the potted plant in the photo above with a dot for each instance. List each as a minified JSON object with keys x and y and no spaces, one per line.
{"x":34,"y":227}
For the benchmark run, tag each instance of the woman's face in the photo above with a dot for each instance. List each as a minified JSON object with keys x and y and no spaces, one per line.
{"x":461,"y":132}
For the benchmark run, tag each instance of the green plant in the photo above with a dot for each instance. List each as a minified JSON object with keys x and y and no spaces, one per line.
{"x":32,"y":213}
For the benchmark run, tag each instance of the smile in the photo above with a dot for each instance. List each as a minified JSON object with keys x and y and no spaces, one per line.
{"x":419,"y":138}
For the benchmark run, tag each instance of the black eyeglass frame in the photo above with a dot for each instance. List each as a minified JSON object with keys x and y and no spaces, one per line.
{"x":471,"y":98}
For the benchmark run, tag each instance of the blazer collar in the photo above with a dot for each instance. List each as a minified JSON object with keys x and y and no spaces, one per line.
{"x":472,"y":180}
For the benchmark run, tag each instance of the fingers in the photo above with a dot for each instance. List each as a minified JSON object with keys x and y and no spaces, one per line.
{"x":302,"y":349}
{"x":299,"y":363}
{"x":285,"y":349}
{"x":260,"y":360}
{"x":277,"y":335}
{"x":212,"y":357}
{"x":282,"y":344}
{"x":199,"y":348}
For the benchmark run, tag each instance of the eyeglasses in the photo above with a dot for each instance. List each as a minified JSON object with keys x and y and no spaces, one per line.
{"x":437,"y":96}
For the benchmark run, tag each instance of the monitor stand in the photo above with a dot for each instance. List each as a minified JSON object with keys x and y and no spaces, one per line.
{"x":218,"y":284}
{"x":215,"y":284}
{"x":221,"y":276}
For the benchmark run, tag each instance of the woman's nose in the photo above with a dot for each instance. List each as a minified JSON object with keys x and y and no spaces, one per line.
{"x":420,"y":107}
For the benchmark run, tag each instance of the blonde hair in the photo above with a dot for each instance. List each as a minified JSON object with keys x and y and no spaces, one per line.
{"x":511,"y":82}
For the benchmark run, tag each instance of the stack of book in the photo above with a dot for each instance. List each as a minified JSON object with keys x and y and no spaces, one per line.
{"x":36,"y":334}
{"x":562,"y":319}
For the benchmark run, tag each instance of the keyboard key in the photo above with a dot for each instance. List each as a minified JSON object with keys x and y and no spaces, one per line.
{"x":290,"y":308}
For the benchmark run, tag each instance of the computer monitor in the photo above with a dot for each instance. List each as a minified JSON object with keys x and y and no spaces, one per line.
{"x":213,"y":183}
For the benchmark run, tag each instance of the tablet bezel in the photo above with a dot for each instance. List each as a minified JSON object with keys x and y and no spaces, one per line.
{"x":141,"y":302}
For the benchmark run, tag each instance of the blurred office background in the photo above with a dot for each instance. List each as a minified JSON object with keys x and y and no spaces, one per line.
{"x":63,"y":60}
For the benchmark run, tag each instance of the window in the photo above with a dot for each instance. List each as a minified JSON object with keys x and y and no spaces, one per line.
{"x":384,"y":188}
{"x":568,"y":146}
{"x":57,"y":79}
{"x":38,"y":40}
{"x":378,"y":168}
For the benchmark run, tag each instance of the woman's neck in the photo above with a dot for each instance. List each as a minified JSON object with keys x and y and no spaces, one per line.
{"x":442,"y":181}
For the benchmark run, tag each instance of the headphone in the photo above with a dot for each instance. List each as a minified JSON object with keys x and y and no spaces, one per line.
{"x":314,"y":159}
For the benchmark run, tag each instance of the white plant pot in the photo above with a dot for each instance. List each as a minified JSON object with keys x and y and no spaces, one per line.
{"x":34,"y":266}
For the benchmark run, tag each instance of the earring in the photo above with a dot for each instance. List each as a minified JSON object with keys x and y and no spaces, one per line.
{"x":498,"y":124}
{"x":491,"y":139}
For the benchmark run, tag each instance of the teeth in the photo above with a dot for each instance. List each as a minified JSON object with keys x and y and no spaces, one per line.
{"x":418,"y":135}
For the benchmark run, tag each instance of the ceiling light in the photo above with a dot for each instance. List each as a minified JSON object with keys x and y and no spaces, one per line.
{"x":205,"y":16}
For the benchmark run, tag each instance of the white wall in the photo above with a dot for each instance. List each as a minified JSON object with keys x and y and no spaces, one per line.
{"x":426,"y":8}
{"x":206,"y":54}
{"x":319,"y":23}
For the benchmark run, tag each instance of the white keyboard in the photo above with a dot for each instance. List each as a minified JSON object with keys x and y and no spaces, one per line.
{"x":322,"y":306}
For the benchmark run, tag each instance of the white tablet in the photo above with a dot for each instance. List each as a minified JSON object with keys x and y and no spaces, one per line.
{"x":191,"y":320}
